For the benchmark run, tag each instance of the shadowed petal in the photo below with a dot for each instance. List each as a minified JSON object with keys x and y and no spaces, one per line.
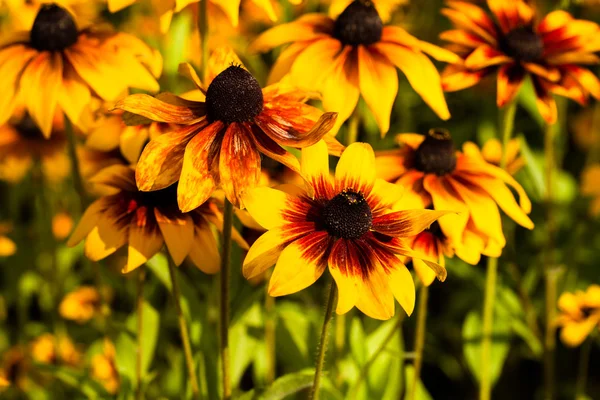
{"x":406,"y":223}
{"x":178,"y":232}
{"x":307,"y":27}
{"x":456,"y":78}
{"x":510,"y":80}
{"x":144,"y":242}
{"x":204,"y":252}
{"x":162,"y":111}
{"x":486,"y":56}
{"x":445,"y":198}
{"x":268,"y":147}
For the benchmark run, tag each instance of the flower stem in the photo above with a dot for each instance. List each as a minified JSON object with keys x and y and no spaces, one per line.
{"x":75,"y":169}
{"x":224,"y":302}
{"x":270,"y":337}
{"x":331,"y":301}
{"x":140,"y":332}
{"x":183,"y":330}
{"x":419,"y":339}
{"x":353,"y":126}
{"x":203,"y":31}
{"x":507,"y":129}
{"x":584,"y":361}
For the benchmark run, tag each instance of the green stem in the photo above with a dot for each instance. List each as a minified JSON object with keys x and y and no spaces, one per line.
{"x":183,"y":330}
{"x":203,"y":31}
{"x":270,"y":337}
{"x":331,"y":301}
{"x":75,"y":169}
{"x":353,"y":126}
{"x":340,"y":343}
{"x":507,"y":129}
{"x":419,"y":339}
{"x":140,"y":332}
{"x":224,"y":300}
{"x":584,"y":362}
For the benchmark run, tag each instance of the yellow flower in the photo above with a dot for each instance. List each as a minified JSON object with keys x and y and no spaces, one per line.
{"x":104,"y":368}
{"x":345,"y":223}
{"x":81,"y":304}
{"x":22,"y":13}
{"x":385,"y":8}
{"x":43,"y":350}
{"x":60,"y":65}
{"x":220,"y":140}
{"x":491,"y":152}
{"x":4,"y":383}
{"x":551,"y":52}
{"x":590,"y":186}
{"x":144,"y":221}
{"x":7,"y":246}
{"x":435,"y":175}
{"x":580,"y":315}
{"x":356,"y":55}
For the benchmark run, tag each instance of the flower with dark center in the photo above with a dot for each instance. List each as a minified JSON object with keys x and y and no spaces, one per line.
{"x":345,"y":225}
{"x":219,"y":142}
{"x":54,"y":29}
{"x":436,"y":155}
{"x":554,"y":52}
{"x":579,"y":315}
{"x":436,"y":175}
{"x":234,"y":96}
{"x":358,"y":24}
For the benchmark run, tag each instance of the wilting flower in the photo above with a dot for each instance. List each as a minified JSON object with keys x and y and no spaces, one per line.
{"x":491,"y":152}
{"x":59,"y":65}
{"x":104,"y":368}
{"x":431,"y":245}
{"x":219,"y":140}
{"x":580,"y":315}
{"x":81,"y":304}
{"x":7,"y":246}
{"x":590,"y":186}
{"x":435,"y":175}
{"x":551,"y":52}
{"x":144,"y":221}
{"x":22,"y":144}
{"x":345,"y":223}
{"x":356,"y":55}
{"x":43,"y":350}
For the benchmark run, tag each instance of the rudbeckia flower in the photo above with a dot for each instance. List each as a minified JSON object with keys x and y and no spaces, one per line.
{"x":354,"y":55}
{"x":144,"y":222}
{"x":220,"y":139}
{"x":385,"y":8}
{"x":580,"y":315}
{"x":44,"y":350}
{"x":432,"y":245}
{"x":492,"y":151}
{"x":551,"y":51}
{"x":104,"y":368}
{"x":59,"y":65}
{"x":345,"y":223}
{"x":590,"y":186}
{"x":435,"y":175}
{"x":81,"y":304}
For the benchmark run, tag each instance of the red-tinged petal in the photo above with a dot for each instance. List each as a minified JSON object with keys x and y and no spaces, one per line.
{"x":268,"y":147}
{"x":289,"y":126}
{"x":315,"y":169}
{"x":553,"y":21}
{"x":507,"y":13}
{"x":89,"y":220}
{"x":178,"y":232}
{"x":568,"y":87}
{"x":406,"y":223}
{"x":384,"y":196}
{"x":456,"y":78}
{"x":545,"y":102}
{"x":462,"y":21}
{"x":345,"y":262}
{"x":143,"y":243}
{"x":445,"y":198}
{"x":573,"y":57}
{"x":300,"y":264}
{"x":549,"y":73}
{"x":273,"y":208}
{"x":476,"y":14}
{"x":510,"y":80}
{"x":199,"y":167}
{"x":307,"y":27}
{"x":162,"y":111}
{"x":486,"y":56}
{"x":356,"y":169}
{"x":160,"y":163}
{"x":118,"y":176}
{"x":586,"y":79}
{"x":397,"y":35}
{"x":463,"y":38}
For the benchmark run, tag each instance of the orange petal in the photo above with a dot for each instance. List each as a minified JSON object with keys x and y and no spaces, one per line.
{"x":510,"y":80}
{"x":161,"y":111}
{"x":477,"y":17}
{"x":268,"y":147}
{"x":13,"y":61}
{"x":545,"y":102}
{"x":458,"y":78}
{"x":486,"y":56}
{"x":307,"y":27}
{"x":462,"y":21}
{"x":406,"y":223}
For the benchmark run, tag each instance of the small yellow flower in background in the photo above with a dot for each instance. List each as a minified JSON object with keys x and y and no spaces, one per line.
{"x":435,"y":175}
{"x":80,"y":305}
{"x":345,"y":223}
{"x":62,"y":225}
{"x":590,"y":186}
{"x":219,"y":140}
{"x":144,"y":221}
{"x":580,"y":315}
{"x":104,"y":368}
{"x":583,"y":130}
{"x":552,"y":52}
{"x":491,"y":152}
{"x":60,"y":64}
{"x":356,"y":55}
{"x":43,"y":350}
{"x":7,"y":246}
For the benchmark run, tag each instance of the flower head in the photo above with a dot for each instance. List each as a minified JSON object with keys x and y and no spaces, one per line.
{"x":436,"y":175}
{"x":14,"y":368}
{"x":220,"y":140}
{"x":345,"y":223}
{"x":552,"y":52}
{"x":59,"y":65}
{"x":354,"y":55}
{"x":7,"y":246}
{"x":580,"y":315}
{"x":104,"y":368}
{"x":44,"y":350}
{"x":81,"y":304}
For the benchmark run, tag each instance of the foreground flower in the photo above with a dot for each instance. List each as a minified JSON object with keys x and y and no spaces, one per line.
{"x":81,"y":304}
{"x":590,"y":186}
{"x":43,"y":350}
{"x":491,"y":152}
{"x":435,"y":175}
{"x":144,"y":222}
{"x":104,"y":368}
{"x":345,"y":223}
{"x":219,"y":140}
{"x":551,"y":52}
{"x":356,"y":55}
{"x":580,"y":315}
{"x":59,"y":65}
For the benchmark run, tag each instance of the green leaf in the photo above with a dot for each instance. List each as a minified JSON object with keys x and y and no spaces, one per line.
{"x":533,"y":168}
{"x":421,"y":393}
{"x":289,"y":384}
{"x":76,"y":379}
{"x":151,"y":325}
{"x":358,"y":343}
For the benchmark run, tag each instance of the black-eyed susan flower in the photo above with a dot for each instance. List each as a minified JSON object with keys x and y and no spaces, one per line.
{"x":354,"y":55}
{"x":580,"y":315}
{"x":219,"y":140}
{"x":80,"y":305}
{"x":60,"y":65}
{"x":590,"y":186}
{"x":435,"y":175}
{"x":552,"y":52}
{"x":492,"y":151}
{"x":104,"y":368}
{"x":144,"y":221}
{"x":385,"y":8}
{"x":44,"y":350}
{"x":345,"y":223}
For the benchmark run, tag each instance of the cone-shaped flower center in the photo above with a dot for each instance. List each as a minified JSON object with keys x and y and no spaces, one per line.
{"x":348,"y":215}
{"x":234,"y":96}
{"x":164,"y":199}
{"x":358,"y":24}
{"x":54,"y":29}
{"x":436,"y":154}
{"x":523,"y":44}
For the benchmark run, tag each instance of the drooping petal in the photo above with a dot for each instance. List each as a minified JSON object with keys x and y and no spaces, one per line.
{"x":144,"y":242}
{"x":375,"y":297}
{"x":356,"y":169}
{"x":204,"y":252}
{"x":88,"y":221}
{"x":74,"y":95}
{"x":510,"y":80}
{"x":315,"y":169}
{"x":406,"y":223}
{"x":456,"y":78}
{"x":343,"y":262}
{"x":178,"y":232}
{"x":401,"y":284}
{"x":271,"y":149}
{"x":340,"y":88}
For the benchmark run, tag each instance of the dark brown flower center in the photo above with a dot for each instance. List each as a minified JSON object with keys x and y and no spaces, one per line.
{"x":28,"y":129}
{"x":358,"y":24}
{"x":164,"y":199}
{"x":523,"y":44}
{"x":347,"y":215}
{"x":436,"y":231}
{"x":436,"y":155}
{"x":54,"y":29}
{"x":234,"y":96}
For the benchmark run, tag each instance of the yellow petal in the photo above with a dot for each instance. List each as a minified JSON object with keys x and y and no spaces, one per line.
{"x":406,"y":223}
{"x":178,"y":233}
{"x":374,"y":297}
{"x":445,"y":198}
{"x":104,"y":239}
{"x":267,"y":206}
{"x":402,"y":285}
{"x":219,"y":60}
{"x":315,"y":169}
{"x":263,"y":253}
{"x":88,"y":221}
{"x":144,"y":243}
{"x":356,"y":169}
{"x":205,"y":251}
